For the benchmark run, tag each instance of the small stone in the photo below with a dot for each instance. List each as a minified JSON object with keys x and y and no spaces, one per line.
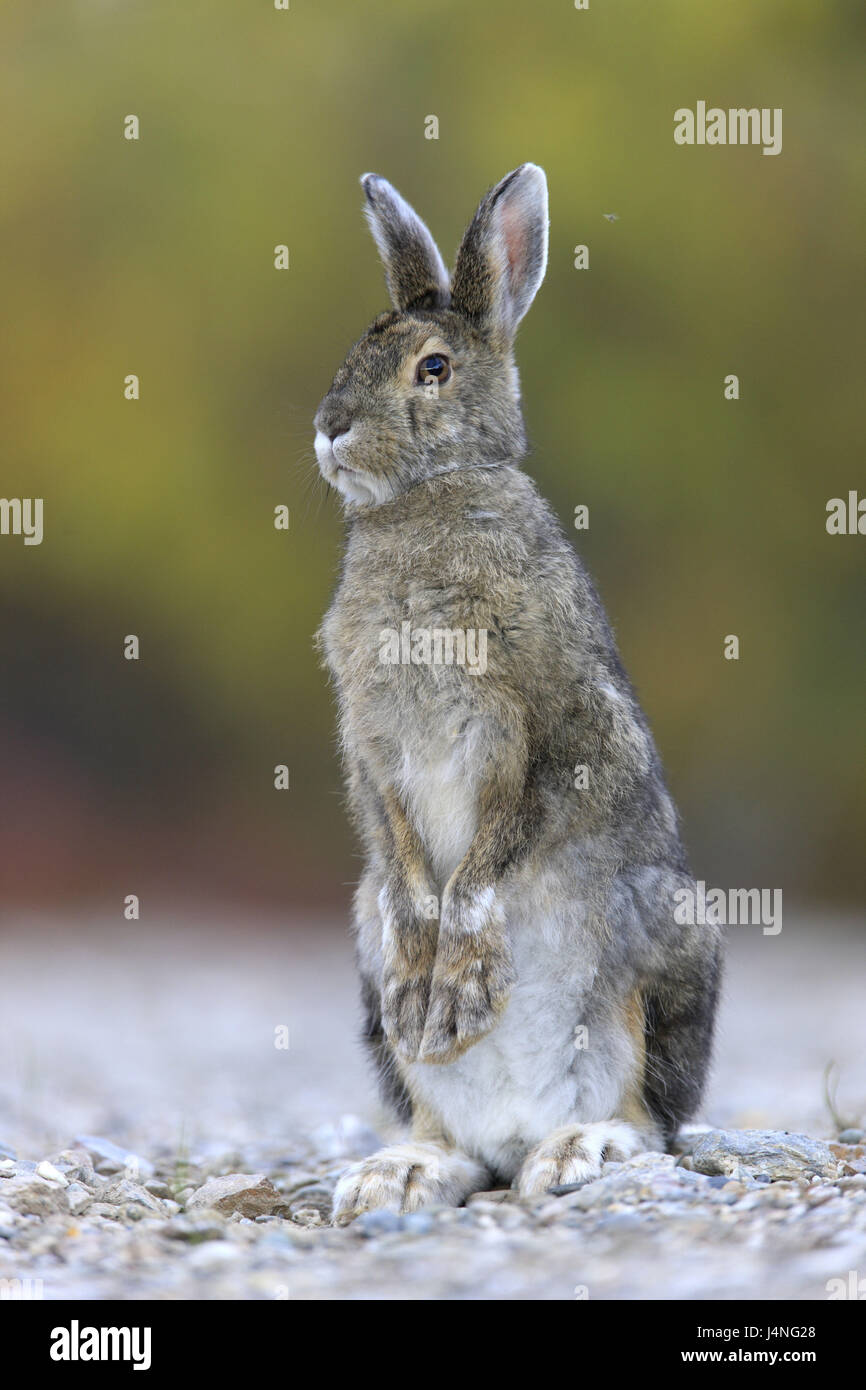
{"x":193,"y":1230}
{"x":318,"y":1198}
{"x":308,"y":1216}
{"x":79,"y":1198}
{"x":34,"y":1195}
{"x":819,"y":1196}
{"x":158,"y":1188}
{"x":379,"y":1223}
{"x":848,"y":1136}
{"x":7,"y":1167}
{"x":47,"y":1170}
{"x":112,"y":1158}
{"x":417,"y":1223}
{"x":773,"y":1154}
{"x":496,"y":1194}
{"x":106,"y":1210}
{"x":125,"y":1193}
{"x":250,"y":1194}
{"x":75,"y":1165}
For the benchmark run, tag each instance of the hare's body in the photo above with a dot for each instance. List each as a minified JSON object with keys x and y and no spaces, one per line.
{"x":531,"y":1001}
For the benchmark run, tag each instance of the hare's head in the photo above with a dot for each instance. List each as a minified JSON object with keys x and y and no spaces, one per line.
{"x":432,"y":385}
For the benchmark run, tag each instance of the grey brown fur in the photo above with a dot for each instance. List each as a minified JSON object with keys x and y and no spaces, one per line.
{"x":552,"y":906}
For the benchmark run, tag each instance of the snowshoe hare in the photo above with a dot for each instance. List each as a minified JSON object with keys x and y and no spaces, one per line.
{"x":531,"y":1003}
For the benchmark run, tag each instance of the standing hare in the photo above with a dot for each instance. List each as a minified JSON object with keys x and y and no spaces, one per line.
{"x":531,"y":1002}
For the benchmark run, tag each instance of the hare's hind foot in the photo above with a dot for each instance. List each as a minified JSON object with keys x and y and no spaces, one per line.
{"x":405,"y":1177}
{"x":575,"y":1153}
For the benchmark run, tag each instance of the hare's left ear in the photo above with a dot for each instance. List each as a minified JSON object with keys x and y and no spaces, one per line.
{"x":414,"y":270}
{"x":503,"y":256}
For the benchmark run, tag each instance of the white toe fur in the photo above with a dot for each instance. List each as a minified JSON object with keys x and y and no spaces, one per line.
{"x":575,"y":1153}
{"x":405,"y":1177}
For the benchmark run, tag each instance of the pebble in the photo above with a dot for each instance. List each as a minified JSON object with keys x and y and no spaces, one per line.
{"x":378,"y":1223}
{"x":47,"y":1170}
{"x":125,"y":1193}
{"x":195,"y":1229}
{"x":658,"y":1212}
{"x":250,"y":1194}
{"x":112,"y":1158}
{"x":34,"y":1195}
{"x":309,"y":1216}
{"x":75,"y":1165}
{"x":79,"y":1197}
{"x":767,"y":1154}
{"x":158,"y":1188}
{"x":848,"y":1136}
{"x":417,"y":1223}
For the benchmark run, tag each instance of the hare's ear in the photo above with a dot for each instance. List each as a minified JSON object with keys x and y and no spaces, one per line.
{"x":414,"y":270}
{"x":503,"y":256}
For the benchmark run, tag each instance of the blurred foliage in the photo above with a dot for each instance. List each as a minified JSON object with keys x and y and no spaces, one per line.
{"x":156,"y":257}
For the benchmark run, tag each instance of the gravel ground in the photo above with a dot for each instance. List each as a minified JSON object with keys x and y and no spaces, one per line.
{"x":141,"y":1066}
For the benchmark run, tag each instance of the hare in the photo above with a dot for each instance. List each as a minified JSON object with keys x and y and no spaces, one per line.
{"x":531,"y":1003}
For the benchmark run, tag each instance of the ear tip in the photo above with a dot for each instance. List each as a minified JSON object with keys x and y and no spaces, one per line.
{"x":369,"y":182}
{"x":527,"y":182}
{"x":535,"y":173}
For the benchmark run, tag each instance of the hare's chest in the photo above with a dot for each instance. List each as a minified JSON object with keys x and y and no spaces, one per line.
{"x":410,"y":711}
{"x":437,"y":780}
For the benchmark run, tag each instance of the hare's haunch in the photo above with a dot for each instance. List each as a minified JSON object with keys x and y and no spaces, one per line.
{"x":532,"y":1002}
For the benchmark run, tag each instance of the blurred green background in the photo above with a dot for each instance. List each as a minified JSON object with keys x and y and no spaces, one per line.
{"x":155,"y":257}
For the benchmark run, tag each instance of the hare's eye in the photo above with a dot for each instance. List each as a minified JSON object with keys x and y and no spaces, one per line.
{"x":434,"y":368}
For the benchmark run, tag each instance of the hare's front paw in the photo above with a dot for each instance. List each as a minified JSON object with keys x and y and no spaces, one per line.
{"x":472,"y":978}
{"x":405,"y":1177}
{"x":575,"y":1153}
{"x":408,"y":955}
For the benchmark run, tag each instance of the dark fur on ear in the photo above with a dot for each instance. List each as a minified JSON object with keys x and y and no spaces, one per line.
{"x":503,"y":256}
{"x":414,"y":270}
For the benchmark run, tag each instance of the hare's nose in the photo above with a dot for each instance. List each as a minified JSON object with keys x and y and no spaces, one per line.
{"x":335,"y":432}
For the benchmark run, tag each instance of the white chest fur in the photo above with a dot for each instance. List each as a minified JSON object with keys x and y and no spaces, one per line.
{"x":438,"y":782}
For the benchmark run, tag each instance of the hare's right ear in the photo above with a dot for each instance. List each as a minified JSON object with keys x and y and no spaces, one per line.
{"x":503,"y":256}
{"x":414,"y":270}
